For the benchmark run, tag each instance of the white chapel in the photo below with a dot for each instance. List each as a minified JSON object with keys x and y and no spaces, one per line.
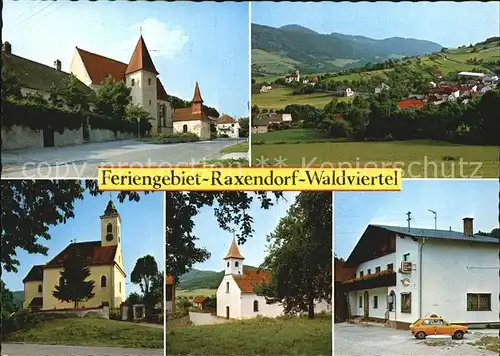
{"x":236,"y":298}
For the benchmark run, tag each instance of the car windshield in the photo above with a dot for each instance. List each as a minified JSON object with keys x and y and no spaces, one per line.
{"x":416,"y":321}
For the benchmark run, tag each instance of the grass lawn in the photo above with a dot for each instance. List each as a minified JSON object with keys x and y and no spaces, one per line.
{"x":239,"y":147}
{"x":490,"y":343}
{"x":417,"y":158}
{"x":260,"y":336}
{"x":91,"y":332}
{"x":279,"y":98}
{"x":195,"y":292}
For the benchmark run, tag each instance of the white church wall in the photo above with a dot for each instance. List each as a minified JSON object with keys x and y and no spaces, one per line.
{"x":266,"y":310}
{"x":200,"y":128}
{"x":231,"y":299}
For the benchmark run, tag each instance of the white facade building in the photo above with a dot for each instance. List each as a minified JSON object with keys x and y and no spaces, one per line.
{"x":236,"y":298}
{"x":226,"y":125}
{"x":403,"y":274}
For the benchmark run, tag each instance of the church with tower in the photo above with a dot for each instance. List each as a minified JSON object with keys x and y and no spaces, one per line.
{"x":236,"y":297}
{"x":104,"y":258}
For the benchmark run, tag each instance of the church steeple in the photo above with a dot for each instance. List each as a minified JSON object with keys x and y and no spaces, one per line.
{"x":110,"y":225}
{"x":197,"y":102}
{"x":234,"y":260}
{"x":141,"y":60}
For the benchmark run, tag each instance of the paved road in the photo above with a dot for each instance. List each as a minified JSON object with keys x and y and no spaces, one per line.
{"x":362,"y":340}
{"x":59,"y":350}
{"x":82,"y":160}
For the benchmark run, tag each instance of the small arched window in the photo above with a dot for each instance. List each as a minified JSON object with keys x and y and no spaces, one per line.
{"x":228,"y":264}
{"x":133,"y":82}
{"x":109,"y":228}
{"x":255,"y":306}
{"x":103,"y":281}
{"x":236,"y":264}
{"x":185,"y":128}
{"x":40,"y":288}
{"x":227,"y":287}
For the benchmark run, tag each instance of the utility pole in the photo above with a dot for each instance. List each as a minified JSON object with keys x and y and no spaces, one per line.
{"x":435,"y":218}
{"x":408,"y":219}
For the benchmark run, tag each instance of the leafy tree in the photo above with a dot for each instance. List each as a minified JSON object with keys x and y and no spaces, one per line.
{"x":134,"y":298}
{"x":138,"y":114}
{"x":30,"y":207}
{"x":7,"y":300}
{"x":244,"y":126}
{"x":73,"y":286}
{"x":300,"y":255}
{"x":10,"y":84}
{"x":230,"y":210}
{"x":493,"y":233}
{"x":144,"y":271}
{"x":73,"y":94}
{"x":112,"y":99}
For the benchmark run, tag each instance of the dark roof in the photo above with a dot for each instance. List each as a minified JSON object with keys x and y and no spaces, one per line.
{"x":92,"y":251}
{"x":34,"y":75}
{"x":36,"y":302}
{"x":161,"y":93}
{"x":260,"y":122}
{"x":34,"y":275}
{"x":438,"y":234}
{"x":110,"y":209}
{"x":141,"y":60}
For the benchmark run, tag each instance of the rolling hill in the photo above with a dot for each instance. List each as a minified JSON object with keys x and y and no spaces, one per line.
{"x":198,"y":279}
{"x":277,"y":50}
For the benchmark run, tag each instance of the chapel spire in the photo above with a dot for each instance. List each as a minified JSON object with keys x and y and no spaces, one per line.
{"x":141,"y":60}
{"x":197,"y":96}
{"x":234,"y":252}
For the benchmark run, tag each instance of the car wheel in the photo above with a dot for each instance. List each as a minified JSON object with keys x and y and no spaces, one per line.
{"x":420,"y":335}
{"x":459,"y":335}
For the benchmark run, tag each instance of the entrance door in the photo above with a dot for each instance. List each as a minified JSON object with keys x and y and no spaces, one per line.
{"x":227,"y":312}
{"x":48,"y":137}
{"x":367,"y":304}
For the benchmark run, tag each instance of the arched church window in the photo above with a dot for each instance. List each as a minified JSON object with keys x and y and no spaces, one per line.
{"x":109,"y":228}
{"x":133,"y":82}
{"x":103,"y":281}
{"x":236,"y":264}
{"x":149,"y":81}
{"x":227,"y":287}
{"x":40,"y":288}
{"x":185,"y":128}
{"x":255,"y":306}
{"x":228,"y":264}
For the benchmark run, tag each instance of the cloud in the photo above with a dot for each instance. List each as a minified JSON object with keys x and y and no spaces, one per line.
{"x":162,"y":41}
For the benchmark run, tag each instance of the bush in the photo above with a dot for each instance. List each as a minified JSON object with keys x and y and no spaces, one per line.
{"x":22,"y":320}
{"x":224,"y":136}
{"x":115,"y":315}
{"x":340,"y":128}
{"x":167,"y":138}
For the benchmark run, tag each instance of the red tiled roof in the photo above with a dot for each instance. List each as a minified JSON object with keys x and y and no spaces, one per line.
{"x":234,"y":251}
{"x":34,"y":275}
{"x":161,"y":94}
{"x":93,"y":252}
{"x":197,"y":96}
{"x":226,"y":119}
{"x":410,"y":103}
{"x":98,"y":67}
{"x":141,"y":60}
{"x":199,"y":299}
{"x":252,"y":278}
{"x":186,"y":114}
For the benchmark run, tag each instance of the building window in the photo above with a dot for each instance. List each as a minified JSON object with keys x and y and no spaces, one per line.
{"x":132,"y":82}
{"x":360,"y":274}
{"x":406,"y":257}
{"x":360,"y":301}
{"x":236,"y":264}
{"x":120,"y":287}
{"x":103,"y":281}
{"x":405,"y":302}
{"x":228,"y":264}
{"x":377,"y":269}
{"x":40,"y":288}
{"x":390,"y":267}
{"x":149,"y":102}
{"x":109,"y":228}
{"x":255,"y":306}
{"x":185,"y":129}
{"x":369,"y":271}
{"x":375,"y":302}
{"x":227,"y":287}
{"x":478,"y":302}
{"x":149,"y":81}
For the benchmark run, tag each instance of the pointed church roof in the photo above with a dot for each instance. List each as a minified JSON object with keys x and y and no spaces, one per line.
{"x":110,"y":209}
{"x":197,"y":96}
{"x":234,"y":252}
{"x":141,"y":60}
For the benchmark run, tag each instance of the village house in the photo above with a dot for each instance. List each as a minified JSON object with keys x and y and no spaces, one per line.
{"x":236,"y":297}
{"x":201,"y":302}
{"x":343,"y":91}
{"x":294,"y":77}
{"x":169,"y":294}
{"x":106,"y":270}
{"x":311,"y":80}
{"x":226,"y":125}
{"x":193,"y":119}
{"x":382,"y":87}
{"x":410,"y":104}
{"x":265,"y":89}
{"x":260,"y":125}
{"x":405,"y":273}
{"x":139,"y":74}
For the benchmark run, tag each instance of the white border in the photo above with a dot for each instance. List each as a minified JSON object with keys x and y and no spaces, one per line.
{"x":250,"y":84}
{"x":165,"y":273}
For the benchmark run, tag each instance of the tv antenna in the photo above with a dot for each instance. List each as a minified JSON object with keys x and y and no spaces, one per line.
{"x":435,"y":218}
{"x":409,"y":218}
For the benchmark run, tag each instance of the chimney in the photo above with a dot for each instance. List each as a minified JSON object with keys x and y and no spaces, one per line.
{"x":7,"y":47}
{"x":468,"y":230}
{"x":57,"y":65}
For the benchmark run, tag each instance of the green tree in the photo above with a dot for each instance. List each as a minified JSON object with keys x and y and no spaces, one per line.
{"x":10,"y":84}
{"x":134,"y":298}
{"x":146,"y":275}
{"x":230,"y":210}
{"x":137,"y":113}
{"x":30,"y":207}
{"x":7,"y":300}
{"x":244,"y":126}
{"x":300,"y":255}
{"x":73,"y":94}
{"x":73,"y":285}
{"x":112,"y":99}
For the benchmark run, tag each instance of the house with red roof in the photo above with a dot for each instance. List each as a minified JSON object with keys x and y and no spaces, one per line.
{"x":236,"y":296}
{"x":139,"y":74}
{"x":410,"y":104}
{"x":104,"y":258}
{"x":293,"y":77}
{"x":226,"y":125}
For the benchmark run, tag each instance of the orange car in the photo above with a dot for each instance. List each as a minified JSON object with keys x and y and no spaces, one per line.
{"x":435,"y":325}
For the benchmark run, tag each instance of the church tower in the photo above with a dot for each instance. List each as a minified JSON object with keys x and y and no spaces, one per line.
{"x":110,"y":226}
{"x":234,"y":260}
{"x":197,"y":102}
{"x":141,"y":78}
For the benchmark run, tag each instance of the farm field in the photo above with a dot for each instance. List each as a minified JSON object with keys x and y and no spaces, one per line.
{"x":195,"y":292}
{"x":259,"y":336}
{"x":279,"y":98}
{"x":417,"y":158}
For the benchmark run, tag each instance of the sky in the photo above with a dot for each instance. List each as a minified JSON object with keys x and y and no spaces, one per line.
{"x":189,"y":42}
{"x":217,"y":241}
{"x":452,"y":200}
{"x":450,"y":24}
{"x":142,"y":233}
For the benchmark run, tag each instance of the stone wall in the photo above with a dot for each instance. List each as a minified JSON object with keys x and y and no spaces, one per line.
{"x":68,"y":137}
{"x":102,"y":312}
{"x":17,"y":137}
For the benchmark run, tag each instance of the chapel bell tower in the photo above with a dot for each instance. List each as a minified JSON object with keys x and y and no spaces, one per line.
{"x":234,"y":260}
{"x":110,"y":226}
